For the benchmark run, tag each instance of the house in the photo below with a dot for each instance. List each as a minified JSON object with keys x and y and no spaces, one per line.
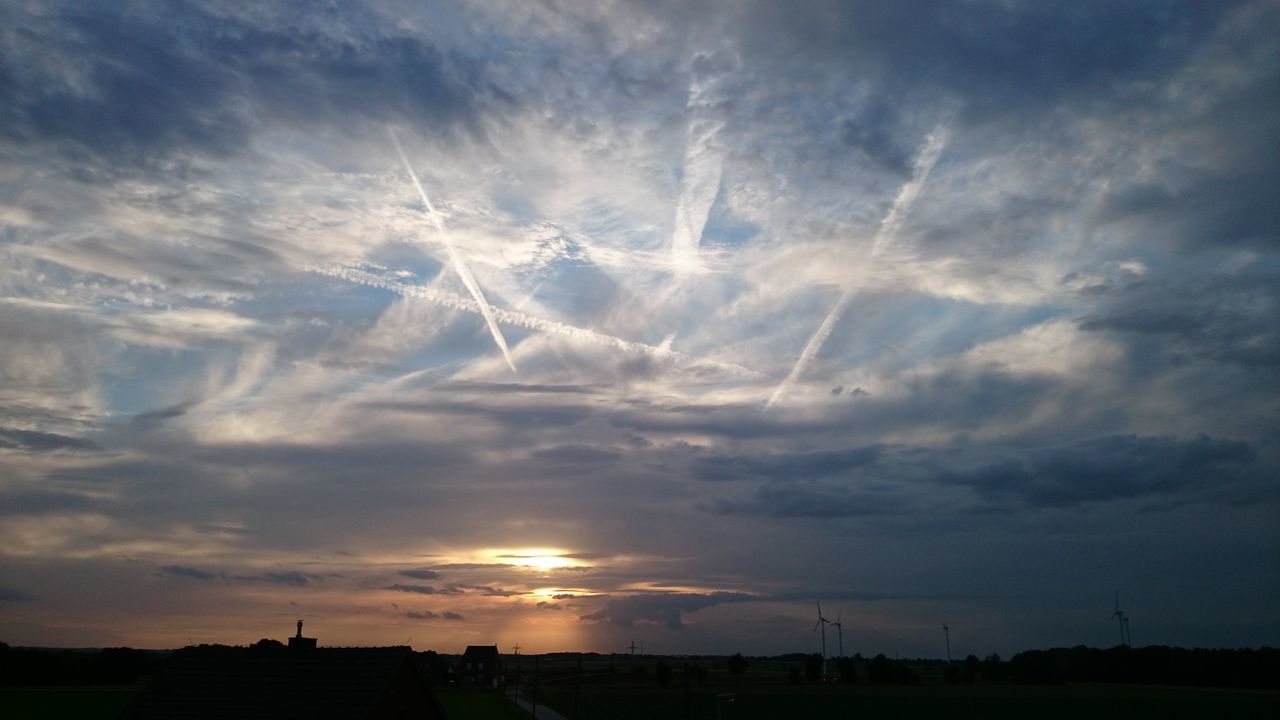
{"x":479,"y":667}
{"x":301,"y":681}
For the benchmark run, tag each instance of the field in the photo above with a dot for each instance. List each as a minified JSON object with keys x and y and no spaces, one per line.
{"x":478,"y":705}
{"x":97,"y":703}
{"x":761,"y":694}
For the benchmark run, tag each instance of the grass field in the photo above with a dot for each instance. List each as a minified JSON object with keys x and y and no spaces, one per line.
{"x":478,"y":705}
{"x":59,"y":703}
{"x":627,"y":701}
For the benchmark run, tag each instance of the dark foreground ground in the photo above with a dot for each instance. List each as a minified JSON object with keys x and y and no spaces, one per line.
{"x":64,"y":703}
{"x":759,"y":697}
{"x":793,"y":702}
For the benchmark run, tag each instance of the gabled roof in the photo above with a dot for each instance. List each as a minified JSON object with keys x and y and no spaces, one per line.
{"x":250,"y":683}
{"x":481,"y":652}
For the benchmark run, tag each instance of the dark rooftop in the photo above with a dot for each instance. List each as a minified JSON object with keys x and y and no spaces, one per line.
{"x":248,"y":683}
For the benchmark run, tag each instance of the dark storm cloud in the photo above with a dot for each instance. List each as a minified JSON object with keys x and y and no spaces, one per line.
{"x":34,"y":441}
{"x":998,"y":57}
{"x":872,"y":131}
{"x":422,"y":574}
{"x":41,"y":501}
{"x":1110,"y":468}
{"x":578,"y":455}
{"x":895,"y":480}
{"x":797,"y":466}
{"x":134,"y":83}
{"x":287,"y":577}
{"x":423,"y":589}
{"x":1226,"y":318}
{"x":291,"y":578}
{"x":451,"y":615}
{"x":474,"y":566}
{"x":667,"y":609}
{"x":514,"y":415}
{"x":951,"y":396}
{"x":11,"y":594}
{"x":820,"y":500}
{"x":489,"y":591}
{"x":424,"y":615}
{"x":188,"y":572}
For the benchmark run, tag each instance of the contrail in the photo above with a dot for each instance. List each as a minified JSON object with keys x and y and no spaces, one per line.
{"x":925,"y":160}
{"x":526,"y":321}
{"x":701,"y":182}
{"x":455,"y":258}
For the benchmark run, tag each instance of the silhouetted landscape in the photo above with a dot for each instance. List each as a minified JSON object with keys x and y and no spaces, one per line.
{"x":268,"y":679}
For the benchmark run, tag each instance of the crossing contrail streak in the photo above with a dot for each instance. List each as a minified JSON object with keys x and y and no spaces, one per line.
{"x":703,"y":165}
{"x":455,"y":258}
{"x":925,"y":160}
{"x":529,"y":322}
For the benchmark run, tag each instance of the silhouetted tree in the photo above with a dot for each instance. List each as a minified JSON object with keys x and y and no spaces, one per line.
{"x":969,"y":672}
{"x":847,"y":671}
{"x":663,"y":673}
{"x":267,"y":644}
{"x":883,"y":671}
{"x":813,"y":666}
{"x":951,"y":674}
{"x":992,"y":668}
{"x":793,"y":675}
{"x":699,"y":674}
{"x":737,"y":664}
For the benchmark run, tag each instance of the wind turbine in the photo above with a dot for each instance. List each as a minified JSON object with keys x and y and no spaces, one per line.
{"x":1127,"y":632}
{"x":839,"y":629}
{"x":822,"y":623}
{"x":947,"y":631}
{"x":1120,"y":619}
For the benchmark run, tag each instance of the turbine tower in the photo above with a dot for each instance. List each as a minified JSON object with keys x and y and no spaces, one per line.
{"x":1120,"y":619}
{"x":947,"y":632}
{"x":839,"y":630}
{"x":822,"y":623}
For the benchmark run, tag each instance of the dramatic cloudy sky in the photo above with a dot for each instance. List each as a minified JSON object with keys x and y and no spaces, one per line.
{"x":961,"y":311}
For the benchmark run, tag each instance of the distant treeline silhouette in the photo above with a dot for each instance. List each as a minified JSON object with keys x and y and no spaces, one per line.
{"x":109,"y":666}
{"x":1153,"y":665}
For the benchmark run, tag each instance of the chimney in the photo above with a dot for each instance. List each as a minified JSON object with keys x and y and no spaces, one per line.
{"x":297,"y":642}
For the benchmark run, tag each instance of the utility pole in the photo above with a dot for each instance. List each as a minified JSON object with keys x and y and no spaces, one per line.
{"x":947,"y":631}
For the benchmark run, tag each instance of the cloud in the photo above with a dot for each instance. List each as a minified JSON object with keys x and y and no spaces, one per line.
{"x":175,"y":78}
{"x":423,"y":589}
{"x":1110,"y":468}
{"x":35,"y":441}
{"x":489,"y":591}
{"x":893,"y":480}
{"x":823,"y":500}
{"x":188,"y":572}
{"x":667,"y":609}
{"x":421,"y":574}
{"x":423,"y":615}
{"x":11,"y":594}
{"x":292,"y":578}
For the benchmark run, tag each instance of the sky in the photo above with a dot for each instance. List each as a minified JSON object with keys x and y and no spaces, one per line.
{"x":568,"y":324}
